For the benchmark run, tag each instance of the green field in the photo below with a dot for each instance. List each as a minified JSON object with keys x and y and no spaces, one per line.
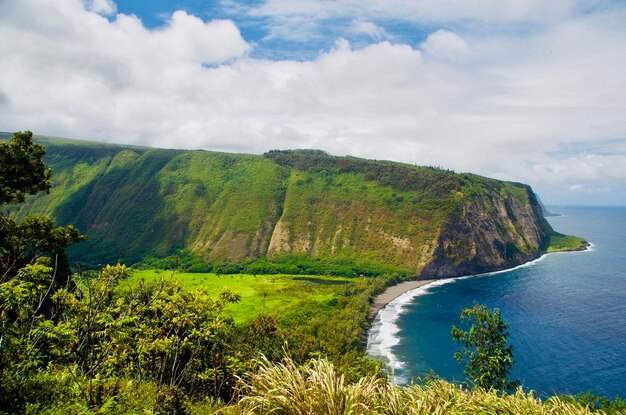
{"x":276,"y":295}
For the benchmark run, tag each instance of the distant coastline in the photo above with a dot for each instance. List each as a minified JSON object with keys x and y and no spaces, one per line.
{"x":381,"y":335}
{"x":395,"y":291}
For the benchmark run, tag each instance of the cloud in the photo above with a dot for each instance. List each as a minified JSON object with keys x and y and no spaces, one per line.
{"x":370,"y":29}
{"x":70,"y":70}
{"x":496,"y":13}
{"x":509,"y":106}
{"x":103,"y":7}
{"x":4,"y":100}
{"x":583,"y":179}
{"x":445,"y":45}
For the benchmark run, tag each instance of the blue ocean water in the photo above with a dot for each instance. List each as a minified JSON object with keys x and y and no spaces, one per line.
{"x":567,"y":313}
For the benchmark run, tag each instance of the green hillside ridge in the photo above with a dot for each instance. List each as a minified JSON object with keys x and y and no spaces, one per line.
{"x":139,"y":204}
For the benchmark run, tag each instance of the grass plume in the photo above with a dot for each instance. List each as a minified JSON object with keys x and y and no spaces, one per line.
{"x":316,"y":388}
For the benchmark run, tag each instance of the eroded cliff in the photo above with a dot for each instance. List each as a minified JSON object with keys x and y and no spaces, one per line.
{"x":137,"y":203}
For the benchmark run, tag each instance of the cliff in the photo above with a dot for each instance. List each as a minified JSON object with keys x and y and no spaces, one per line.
{"x":491,"y":230}
{"x":137,"y":203}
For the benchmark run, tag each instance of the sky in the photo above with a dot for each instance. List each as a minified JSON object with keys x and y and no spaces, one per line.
{"x":524,"y":90}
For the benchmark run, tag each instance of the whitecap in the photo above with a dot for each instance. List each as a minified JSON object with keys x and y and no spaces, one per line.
{"x":383,"y":333}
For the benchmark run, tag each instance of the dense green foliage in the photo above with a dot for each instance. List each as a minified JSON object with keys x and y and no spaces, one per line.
{"x":486,"y":356}
{"x":297,"y":264}
{"x":301,"y":211}
{"x":106,"y":330}
{"x":22,"y":242}
{"x":97,"y":335}
{"x":82,"y":335}
{"x":109,"y":342}
{"x":74,"y":343}
{"x":428,"y":181}
{"x":23,"y":170}
{"x":137,"y":203}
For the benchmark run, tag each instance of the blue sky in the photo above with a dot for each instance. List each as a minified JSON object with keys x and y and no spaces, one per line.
{"x":257,"y":29}
{"x":531,"y":91}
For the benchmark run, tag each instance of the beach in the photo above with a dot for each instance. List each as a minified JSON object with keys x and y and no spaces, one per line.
{"x":392,"y":293}
{"x":411,"y":333}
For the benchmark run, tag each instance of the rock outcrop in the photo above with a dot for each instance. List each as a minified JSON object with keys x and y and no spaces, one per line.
{"x":488,"y":233}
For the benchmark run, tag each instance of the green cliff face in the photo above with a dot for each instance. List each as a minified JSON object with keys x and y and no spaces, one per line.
{"x":136,"y":202}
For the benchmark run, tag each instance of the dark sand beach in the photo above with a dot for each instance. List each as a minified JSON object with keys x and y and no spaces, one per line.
{"x":393,"y":292}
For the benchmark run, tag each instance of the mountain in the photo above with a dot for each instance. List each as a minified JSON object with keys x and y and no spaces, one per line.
{"x":137,"y":203}
{"x":544,"y":209}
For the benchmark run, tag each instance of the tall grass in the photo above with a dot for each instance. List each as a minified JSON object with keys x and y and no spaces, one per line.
{"x":318,"y":389}
{"x":315,"y":388}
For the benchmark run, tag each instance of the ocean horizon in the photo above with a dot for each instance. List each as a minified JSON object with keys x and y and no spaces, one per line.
{"x":567,"y":313}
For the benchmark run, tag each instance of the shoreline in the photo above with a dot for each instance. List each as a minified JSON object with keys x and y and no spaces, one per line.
{"x":382,"y":334}
{"x":394,"y":298}
{"x":393,"y":292}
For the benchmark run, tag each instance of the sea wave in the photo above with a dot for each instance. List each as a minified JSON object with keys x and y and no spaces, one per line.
{"x":383,"y":333}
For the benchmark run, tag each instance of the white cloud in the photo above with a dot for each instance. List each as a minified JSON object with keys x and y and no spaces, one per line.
{"x":103,"y":7}
{"x":496,"y":13}
{"x":445,"y":45}
{"x":370,"y":29}
{"x":503,"y":110}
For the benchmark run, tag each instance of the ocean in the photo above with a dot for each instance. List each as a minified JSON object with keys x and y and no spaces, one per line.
{"x":567,"y":314}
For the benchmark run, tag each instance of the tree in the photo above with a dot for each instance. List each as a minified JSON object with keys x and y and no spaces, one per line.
{"x":155,"y":332}
{"x":485,"y":355}
{"x":87,"y":325}
{"x":33,"y":266}
{"x":22,"y":172}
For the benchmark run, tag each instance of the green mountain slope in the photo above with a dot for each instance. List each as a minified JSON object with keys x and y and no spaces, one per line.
{"x":137,"y":202}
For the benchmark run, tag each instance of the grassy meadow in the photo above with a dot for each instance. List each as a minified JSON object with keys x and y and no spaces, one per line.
{"x":277,"y":295}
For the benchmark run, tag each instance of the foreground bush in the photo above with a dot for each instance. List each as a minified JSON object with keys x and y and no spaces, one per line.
{"x":316,"y":388}
{"x":59,"y":392}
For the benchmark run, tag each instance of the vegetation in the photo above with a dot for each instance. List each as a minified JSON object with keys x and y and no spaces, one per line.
{"x":595,"y":402}
{"x":317,"y":388}
{"x":277,"y":295}
{"x":106,"y":331}
{"x":22,"y":242}
{"x":113,"y":342}
{"x":297,"y":264}
{"x":559,"y":243}
{"x":485,"y":355}
{"x":159,"y":334}
{"x":288,"y":212}
{"x":431,"y":181}
{"x":23,"y":168}
{"x":56,"y":326}
{"x":74,"y":343}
